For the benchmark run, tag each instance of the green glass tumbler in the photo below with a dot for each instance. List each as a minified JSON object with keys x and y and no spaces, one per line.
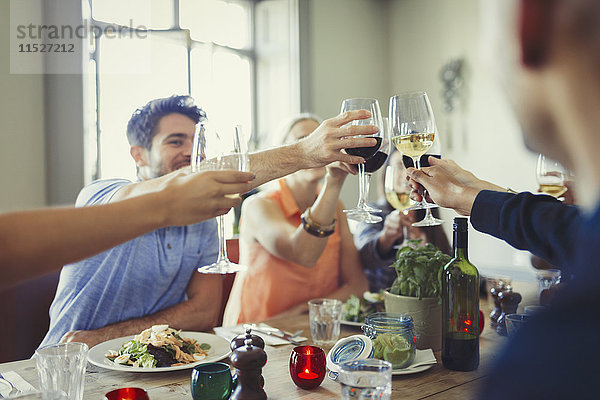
{"x":211,"y":381}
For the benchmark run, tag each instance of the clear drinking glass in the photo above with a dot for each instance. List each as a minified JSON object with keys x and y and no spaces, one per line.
{"x":366,"y":379}
{"x":215,"y":149}
{"x":324,"y":317}
{"x":414,"y":132}
{"x":551,"y":176}
{"x":547,"y":278}
{"x":361,"y":212}
{"x":61,"y":369}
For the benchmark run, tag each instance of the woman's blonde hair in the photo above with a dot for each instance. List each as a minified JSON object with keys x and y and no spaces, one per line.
{"x":287,"y":127}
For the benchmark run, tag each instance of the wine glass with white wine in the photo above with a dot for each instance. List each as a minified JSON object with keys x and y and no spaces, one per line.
{"x":551,"y":176}
{"x":216,"y":149}
{"x":413,"y":132}
{"x":397,"y":190}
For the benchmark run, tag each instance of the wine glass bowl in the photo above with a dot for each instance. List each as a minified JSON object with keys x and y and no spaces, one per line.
{"x":212,"y":150}
{"x":551,"y":176}
{"x":414,"y":133}
{"x":374,"y":158}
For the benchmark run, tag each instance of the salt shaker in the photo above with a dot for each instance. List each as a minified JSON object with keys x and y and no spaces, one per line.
{"x":509,"y":302}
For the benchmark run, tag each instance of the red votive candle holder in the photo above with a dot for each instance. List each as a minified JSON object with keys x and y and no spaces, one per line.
{"x":130,"y":393}
{"x":307,"y":366}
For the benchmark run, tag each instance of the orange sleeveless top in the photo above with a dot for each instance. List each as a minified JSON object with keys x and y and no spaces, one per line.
{"x":271,"y":284}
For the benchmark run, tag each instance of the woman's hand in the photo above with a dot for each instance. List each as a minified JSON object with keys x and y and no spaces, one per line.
{"x":338,"y":171}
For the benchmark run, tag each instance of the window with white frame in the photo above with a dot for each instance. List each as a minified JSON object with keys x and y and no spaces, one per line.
{"x":204,"y":48}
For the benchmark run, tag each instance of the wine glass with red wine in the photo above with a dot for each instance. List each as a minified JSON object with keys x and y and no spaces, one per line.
{"x":361,"y":212}
{"x":374,"y":163}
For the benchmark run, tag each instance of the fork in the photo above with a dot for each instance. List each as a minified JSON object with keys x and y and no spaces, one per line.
{"x":276,"y":333}
{"x":13,"y":389}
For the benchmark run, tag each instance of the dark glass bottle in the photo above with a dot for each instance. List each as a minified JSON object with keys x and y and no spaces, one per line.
{"x":460,"y":306}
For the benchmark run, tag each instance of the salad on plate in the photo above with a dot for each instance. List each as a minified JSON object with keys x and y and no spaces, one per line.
{"x":159,"y":346}
{"x":356,"y":309}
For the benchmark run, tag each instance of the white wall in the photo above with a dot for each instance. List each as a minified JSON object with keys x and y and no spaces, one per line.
{"x":22,"y":139}
{"x":348,"y":58}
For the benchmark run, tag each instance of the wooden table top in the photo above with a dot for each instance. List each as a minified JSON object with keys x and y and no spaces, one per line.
{"x":436,"y":382}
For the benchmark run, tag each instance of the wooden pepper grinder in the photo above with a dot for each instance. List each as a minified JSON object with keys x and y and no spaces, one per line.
{"x":509,"y":302}
{"x":240,"y":340}
{"x":248,"y":361}
{"x":494,"y":291}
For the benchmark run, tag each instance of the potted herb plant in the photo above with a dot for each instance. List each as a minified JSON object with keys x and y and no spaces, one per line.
{"x":417,"y":290}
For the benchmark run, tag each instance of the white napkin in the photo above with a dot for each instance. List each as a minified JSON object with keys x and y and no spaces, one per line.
{"x":422,"y":357}
{"x":229,"y":332}
{"x":17,"y":381}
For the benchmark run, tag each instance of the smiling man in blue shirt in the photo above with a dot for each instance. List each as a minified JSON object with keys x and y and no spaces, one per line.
{"x":152,"y":279}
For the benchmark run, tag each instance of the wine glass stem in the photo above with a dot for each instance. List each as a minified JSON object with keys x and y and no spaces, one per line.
{"x":222,"y":245}
{"x":417,"y":162}
{"x":366,"y":186}
{"x":361,"y":186}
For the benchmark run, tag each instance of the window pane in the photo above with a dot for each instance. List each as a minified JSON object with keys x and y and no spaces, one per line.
{"x":216,"y":21}
{"x":164,"y":73}
{"x":155,"y":14}
{"x":221,"y":85}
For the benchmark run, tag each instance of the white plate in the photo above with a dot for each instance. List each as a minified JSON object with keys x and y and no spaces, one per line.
{"x":219,"y":349}
{"x":351,"y":323}
{"x":410,"y":370}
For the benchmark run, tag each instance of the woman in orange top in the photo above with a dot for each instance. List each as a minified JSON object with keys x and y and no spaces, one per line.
{"x":287,"y":264}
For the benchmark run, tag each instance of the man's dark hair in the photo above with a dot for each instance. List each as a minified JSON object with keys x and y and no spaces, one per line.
{"x":141,"y":127}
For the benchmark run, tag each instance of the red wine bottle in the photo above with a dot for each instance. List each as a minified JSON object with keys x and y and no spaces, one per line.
{"x":460,"y":306}
{"x":365,"y":152}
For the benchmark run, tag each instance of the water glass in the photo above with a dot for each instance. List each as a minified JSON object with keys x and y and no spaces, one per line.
{"x":211,"y":381}
{"x":61,"y":369}
{"x":325,"y":316}
{"x":547,"y":278}
{"x":366,"y":379}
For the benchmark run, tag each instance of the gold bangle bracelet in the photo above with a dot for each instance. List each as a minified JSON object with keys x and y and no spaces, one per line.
{"x":309,"y":219}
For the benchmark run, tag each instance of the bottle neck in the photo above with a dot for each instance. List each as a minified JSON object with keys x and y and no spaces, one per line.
{"x":460,"y":245}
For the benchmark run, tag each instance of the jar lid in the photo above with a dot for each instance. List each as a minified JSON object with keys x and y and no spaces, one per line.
{"x":354,"y":347}
{"x":389,"y":320}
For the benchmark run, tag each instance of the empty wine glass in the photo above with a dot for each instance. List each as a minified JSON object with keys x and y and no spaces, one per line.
{"x":214,"y":149}
{"x":414,"y":133}
{"x":551,"y":176}
{"x":361,"y":212}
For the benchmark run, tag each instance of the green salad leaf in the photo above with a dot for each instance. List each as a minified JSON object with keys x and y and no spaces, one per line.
{"x":419,"y":267}
{"x":356,"y":309}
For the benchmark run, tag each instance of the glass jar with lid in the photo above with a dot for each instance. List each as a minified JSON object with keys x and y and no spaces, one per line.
{"x":393,"y":338}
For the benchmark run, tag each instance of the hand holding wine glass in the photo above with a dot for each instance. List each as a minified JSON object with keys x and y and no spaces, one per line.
{"x":215,"y":149}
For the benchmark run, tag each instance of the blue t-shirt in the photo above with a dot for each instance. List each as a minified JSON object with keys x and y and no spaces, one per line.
{"x":132,"y":280}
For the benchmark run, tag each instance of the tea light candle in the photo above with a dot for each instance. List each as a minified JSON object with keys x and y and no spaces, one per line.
{"x":130,"y":393}
{"x":307,"y":366}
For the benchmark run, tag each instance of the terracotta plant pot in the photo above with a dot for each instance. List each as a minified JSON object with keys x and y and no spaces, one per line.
{"x":427,"y":317}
